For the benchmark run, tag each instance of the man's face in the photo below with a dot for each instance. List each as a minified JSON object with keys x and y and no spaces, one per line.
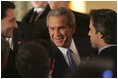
{"x":58,"y":4}
{"x":59,"y":30}
{"x":8,"y":24}
{"x":39,"y":4}
{"x":94,"y":37}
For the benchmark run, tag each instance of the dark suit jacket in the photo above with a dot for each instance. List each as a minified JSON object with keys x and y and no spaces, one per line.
{"x":40,"y":30}
{"x":82,"y":24}
{"x":111,"y":52}
{"x":20,"y":36}
{"x":60,"y":66}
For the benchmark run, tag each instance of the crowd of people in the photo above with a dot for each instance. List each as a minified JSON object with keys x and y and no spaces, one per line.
{"x":53,"y":41}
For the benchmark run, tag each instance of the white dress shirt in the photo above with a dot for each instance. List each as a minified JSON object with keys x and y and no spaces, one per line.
{"x":75,"y":53}
{"x":10,"y":40}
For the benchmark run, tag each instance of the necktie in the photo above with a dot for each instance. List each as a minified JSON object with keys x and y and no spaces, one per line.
{"x":72,"y":64}
{"x":33,"y":17}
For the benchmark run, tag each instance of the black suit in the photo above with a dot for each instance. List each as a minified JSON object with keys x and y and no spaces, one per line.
{"x":21,"y":35}
{"x":60,"y":67}
{"x":111,"y":52}
{"x":82,"y":24}
{"x":39,"y":27}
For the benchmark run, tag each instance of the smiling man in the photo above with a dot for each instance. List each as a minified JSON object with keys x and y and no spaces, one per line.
{"x":8,"y":26}
{"x":8,"y":20}
{"x":68,"y":49}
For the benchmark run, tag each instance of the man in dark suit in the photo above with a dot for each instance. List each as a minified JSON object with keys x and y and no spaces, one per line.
{"x":15,"y":32}
{"x":68,"y":50}
{"x":82,"y":20}
{"x":103,"y":33}
{"x":39,"y":26}
{"x":8,"y":25}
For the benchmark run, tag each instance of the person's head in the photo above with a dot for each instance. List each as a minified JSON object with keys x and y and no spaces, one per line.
{"x":4,"y":53}
{"x":58,"y":4}
{"x":47,"y":45}
{"x":8,"y":18}
{"x":103,"y":27}
{"x":39,"y":4}
{"x":61,"y":26}
{"x":32,"y":61}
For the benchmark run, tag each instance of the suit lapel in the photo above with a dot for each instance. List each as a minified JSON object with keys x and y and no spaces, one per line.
{"x":59,"y":56}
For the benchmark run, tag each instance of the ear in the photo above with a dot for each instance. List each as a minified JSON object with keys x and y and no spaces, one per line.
{"x":100,"y":35}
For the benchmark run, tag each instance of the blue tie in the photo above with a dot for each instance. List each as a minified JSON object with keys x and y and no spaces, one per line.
{"x":72,"y":64}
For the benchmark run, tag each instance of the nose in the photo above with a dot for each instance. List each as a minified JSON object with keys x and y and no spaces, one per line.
{"x":89,"y":33}
{"x":57,"y":32}
{"x":15,"y":25}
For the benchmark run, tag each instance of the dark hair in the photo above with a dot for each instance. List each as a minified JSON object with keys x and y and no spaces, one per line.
{"x":105,"y":22}
{"x":5,"y":5}
{"x":47,"y":45}
{"x":32,"y":61}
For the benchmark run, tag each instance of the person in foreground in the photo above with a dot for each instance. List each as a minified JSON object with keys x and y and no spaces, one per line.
{"x":32,"y":61}
{"x":103,"y":34}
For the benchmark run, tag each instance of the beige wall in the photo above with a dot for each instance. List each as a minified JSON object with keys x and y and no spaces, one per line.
{"x":21,"y":8}
{"x":101,"y":4}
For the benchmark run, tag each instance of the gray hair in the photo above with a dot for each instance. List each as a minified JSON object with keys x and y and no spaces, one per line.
{"x":62,"y":11}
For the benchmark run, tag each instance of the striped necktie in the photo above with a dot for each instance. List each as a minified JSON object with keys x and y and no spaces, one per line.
{"x":72,"y":64}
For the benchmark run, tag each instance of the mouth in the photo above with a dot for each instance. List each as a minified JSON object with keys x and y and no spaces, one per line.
{"x":11,"y":31}
{"x":60,"y":38}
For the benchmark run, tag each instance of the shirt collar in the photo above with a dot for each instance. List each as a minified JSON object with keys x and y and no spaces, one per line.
{"x":65,"y":49}
{"x":39,"y":10}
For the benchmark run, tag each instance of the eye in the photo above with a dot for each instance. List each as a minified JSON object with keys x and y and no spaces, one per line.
{"x":51,"y":29}
{"x":62,"y":28}
{"x":13,"y":20}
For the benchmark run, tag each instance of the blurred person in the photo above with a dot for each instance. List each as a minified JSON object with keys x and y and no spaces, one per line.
{"x":36,"y":17}
{"x":98,"y":67}
{"x":4,"y":55}
{"x":38,"y":7}
{"x":48,"y":46}
{"x":81,"y":20}
{"x":67,"y":50}
{"x":32,"y":61}
{"x":103,"y":33}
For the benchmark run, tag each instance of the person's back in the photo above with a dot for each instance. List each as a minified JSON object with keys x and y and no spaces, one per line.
{"x":32,"y":61}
